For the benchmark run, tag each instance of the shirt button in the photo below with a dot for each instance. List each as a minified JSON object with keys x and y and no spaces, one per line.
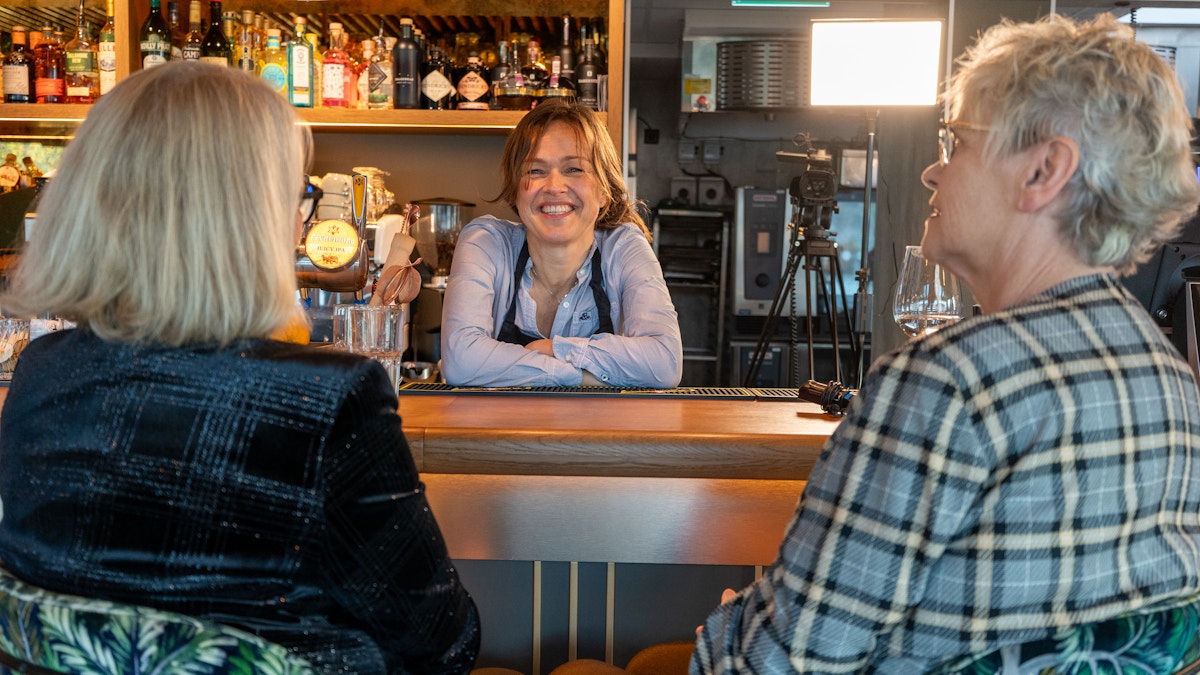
{"x":566,"y":303}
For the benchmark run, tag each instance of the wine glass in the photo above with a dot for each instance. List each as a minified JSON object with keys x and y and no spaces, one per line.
{"x":927,"y":295}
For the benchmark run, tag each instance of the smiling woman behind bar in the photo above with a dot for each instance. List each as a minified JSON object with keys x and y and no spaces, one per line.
{"x":572,"y":294}
{"x":168,"y":452}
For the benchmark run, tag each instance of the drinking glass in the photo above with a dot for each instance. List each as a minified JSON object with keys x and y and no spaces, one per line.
{"x":377,"y":331}
{"x":927,"y":296}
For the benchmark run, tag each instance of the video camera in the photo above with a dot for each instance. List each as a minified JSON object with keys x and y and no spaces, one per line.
{"x":818,"y":183}
{"x":813,"y":191}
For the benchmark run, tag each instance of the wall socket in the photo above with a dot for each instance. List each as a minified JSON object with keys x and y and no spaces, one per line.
{"x":710,"y":191}
{"x":683,"y":190}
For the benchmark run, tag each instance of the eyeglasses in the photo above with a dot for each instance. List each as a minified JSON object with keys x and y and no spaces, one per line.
{"x":310,"y":195}
{"x":947,"y":139}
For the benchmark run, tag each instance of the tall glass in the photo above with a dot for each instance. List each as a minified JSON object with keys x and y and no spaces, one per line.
{"x":927,"y":295}
{"x":377,"y":331}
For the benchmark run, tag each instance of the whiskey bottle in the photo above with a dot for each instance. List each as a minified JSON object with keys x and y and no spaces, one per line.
{"x":82,"y":64}
{"x":215,"y":48}
{"x":107,"y":52}
{"x":155,"y":37}
{"x":49,"y":68}
{"x":194,"y":40}
{"x":18,"y":70}
{"x":178,"y":34}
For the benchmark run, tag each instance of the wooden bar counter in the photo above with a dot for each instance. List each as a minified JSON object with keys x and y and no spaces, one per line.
{"x":638,"y":479}
{"x":598,"y":435}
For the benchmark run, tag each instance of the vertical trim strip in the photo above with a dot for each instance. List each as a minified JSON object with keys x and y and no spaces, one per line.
{"x":537,"y":617}
{"x":610,"y":592}
{"x":573,"y":614}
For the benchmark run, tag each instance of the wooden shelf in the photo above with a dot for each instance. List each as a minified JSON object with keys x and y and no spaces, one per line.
{"x":61,"y":121}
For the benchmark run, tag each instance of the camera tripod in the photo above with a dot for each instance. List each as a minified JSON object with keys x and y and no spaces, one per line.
{"x":809,"y":248}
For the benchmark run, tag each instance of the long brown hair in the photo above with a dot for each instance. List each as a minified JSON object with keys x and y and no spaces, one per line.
{"x":592,"y":135}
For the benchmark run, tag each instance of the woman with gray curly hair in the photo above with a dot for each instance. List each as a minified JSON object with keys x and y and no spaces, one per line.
{"x":1024,"y":485}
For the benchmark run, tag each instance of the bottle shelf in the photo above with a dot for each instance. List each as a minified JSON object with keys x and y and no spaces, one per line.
{"x":35,"y":121}
{"x":60,"y":120}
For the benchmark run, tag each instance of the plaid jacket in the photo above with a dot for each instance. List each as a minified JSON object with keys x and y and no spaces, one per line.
{"x":1017,"y":472}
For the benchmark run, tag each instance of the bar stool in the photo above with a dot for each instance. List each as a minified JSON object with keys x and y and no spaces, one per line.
{"x":668,"y":658}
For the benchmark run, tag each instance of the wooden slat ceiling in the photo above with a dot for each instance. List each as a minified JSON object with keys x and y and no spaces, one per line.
{"x":359,"y":23}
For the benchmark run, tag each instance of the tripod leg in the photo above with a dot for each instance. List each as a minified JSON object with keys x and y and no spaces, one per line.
{"x":786,"y":287}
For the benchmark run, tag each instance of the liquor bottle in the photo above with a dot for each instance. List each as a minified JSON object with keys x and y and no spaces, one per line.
{"x":534,"y":69}
{"x":194,"y":40}
{"x":566,"y":50}
{"x":437,"y":91}
{"x":406,"y":65}
{"x":108,"y":51}
{"x":588,"y":77}
{"x":178,"y":34}
{"x":49,"y":69}
{"x":337,"y":72}
{"x":300,"y":66}
{"x":473,"y":86}
{"x":243,"y":53}
{"x":558,"y":86}
{"x":502,"y":71}
{"x":215,"y":48}
{"x":272,"y":63}
{"x":377,"y":71}
{"x":229,"y":26}
{"x":19,"y":84}
{"x":155,"y":37}
{"x":600,"y":38}
{"x":362,"y":79}
{"x":82,"y":64}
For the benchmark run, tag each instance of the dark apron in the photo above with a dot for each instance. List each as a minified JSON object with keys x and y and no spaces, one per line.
{"x":513,"y":335}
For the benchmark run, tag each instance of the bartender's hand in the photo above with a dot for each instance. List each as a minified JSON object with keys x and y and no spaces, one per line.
{"x":544,"y":346}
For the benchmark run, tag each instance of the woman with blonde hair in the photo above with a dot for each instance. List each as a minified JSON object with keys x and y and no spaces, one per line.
{"x":168,"y":452}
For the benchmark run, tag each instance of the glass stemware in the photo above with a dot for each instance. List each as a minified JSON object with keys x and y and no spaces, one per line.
{"x":927,"y":295}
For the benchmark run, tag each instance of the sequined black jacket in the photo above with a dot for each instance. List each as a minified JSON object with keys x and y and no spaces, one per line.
{"x":263,"y":485}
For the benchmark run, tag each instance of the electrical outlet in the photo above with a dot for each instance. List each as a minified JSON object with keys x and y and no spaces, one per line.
{"x":712,"y":152}
{"x":710,"y":191}
{"x":683,"y":190}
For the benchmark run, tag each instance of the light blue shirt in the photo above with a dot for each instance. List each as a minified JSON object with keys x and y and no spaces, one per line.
{"x":646,"y":351}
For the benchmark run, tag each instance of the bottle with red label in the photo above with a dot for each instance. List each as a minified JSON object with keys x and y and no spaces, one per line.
{"x":49,"y":68}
